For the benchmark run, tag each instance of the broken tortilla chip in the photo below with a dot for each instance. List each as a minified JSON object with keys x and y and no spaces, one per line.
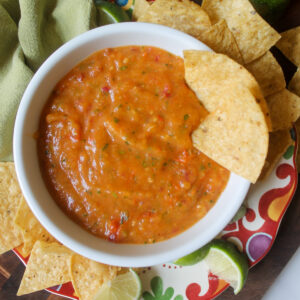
{"x":48,"y":266}
{"x":10,"y":196}
{"x":31,"y":228}
{"x":183,"y":15}
{"x":235,"y":133}
{"x":252,"y":33}
{"x":268,"y":74}
{"x":220,"y":39}
{"x":284,"y":109}
{"x":294,"y":85}
{"x":289,"y":45}
{"x":222,"y":72}
{"x":88,"y":276}
{"x":140,"y":6}
{"x":279,"y":141}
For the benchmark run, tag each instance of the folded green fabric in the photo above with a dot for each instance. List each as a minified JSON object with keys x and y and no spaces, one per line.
{"x":14,"y":77}
{"x":47,"y":24}
{"x":13,"y":9}
{"x":43,"y":27}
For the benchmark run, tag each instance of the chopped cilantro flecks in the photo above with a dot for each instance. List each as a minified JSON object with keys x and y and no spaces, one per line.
{"x":105,"y":147}
{"x":186,"y":116}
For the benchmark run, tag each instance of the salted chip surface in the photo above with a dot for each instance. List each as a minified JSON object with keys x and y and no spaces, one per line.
{"x":268,"y":74}
{"x":253,"y":34}
{"x":294,"y":85}
{"x":235,"y":133}
{"x":219,"y":38}
{"x":204,"y":71}
{"x":235,"y":138}
{"x":289,"y":45}
{"x":48,"y":266}
{"x":31,"y":228}
{"x":10,"y":196}
{"x":284,"y":109}
{"x":279,"y":141}
{"x":140,"y":7}
{"x":88,"y":276}
{"x":183,"y":15}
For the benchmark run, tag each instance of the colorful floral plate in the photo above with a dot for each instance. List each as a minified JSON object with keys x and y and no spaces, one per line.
{"x":254,"y":234}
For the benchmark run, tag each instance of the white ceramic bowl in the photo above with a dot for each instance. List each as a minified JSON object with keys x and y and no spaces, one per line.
{"x":33,"y":186}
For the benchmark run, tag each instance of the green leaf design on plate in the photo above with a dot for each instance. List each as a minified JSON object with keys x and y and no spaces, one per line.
{"x":178,"y":297}
{"x":158,"y":291}
{"x":289,"y":152}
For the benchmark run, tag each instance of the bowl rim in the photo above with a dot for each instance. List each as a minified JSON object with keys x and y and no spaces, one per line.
{"x":115,"y":258}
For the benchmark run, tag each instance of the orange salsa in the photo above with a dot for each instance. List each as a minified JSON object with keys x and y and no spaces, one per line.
{"x":115,"y":147}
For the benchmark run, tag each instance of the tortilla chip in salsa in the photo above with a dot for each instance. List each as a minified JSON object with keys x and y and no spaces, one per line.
{"x":235,"y":133}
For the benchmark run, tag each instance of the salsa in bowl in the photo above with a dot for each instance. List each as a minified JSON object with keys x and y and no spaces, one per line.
{"x":115,"y":152}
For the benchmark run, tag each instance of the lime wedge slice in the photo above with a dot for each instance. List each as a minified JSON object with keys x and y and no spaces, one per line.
{"x":194,"y":257}
{"x":270,"y":10}
{"x":110,"y":13}
{"x":225,"y":261}
{"x":126,"y":286}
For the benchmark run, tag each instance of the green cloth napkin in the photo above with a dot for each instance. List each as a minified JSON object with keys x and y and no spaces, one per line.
{"x":26,"y":41}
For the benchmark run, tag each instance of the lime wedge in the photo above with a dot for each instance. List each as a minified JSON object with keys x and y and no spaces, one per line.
{"x":270,"y":10}
{"x":225,"y":261}
{"x":110,"y":13}
{"x":126,"y":286}
{"x":193,"y":257}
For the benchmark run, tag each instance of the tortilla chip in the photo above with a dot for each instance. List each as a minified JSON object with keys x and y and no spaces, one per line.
{"x":284,"y":109}
{"x":220,"y":39}
{"x":253,"y":34}
{"x":279,"y":141}
{"x":31,"y":228}
{"x":223,"y":73}
{"x":140,"y":7}
{"x":289,"y":45}
{"x":10,"y":196}
{"x":235,"y":134}
{"x":48,"y":266}
{"x":88,"y":276}
{"x":183,"y":15}
{"x":294,"y":85}
{"x":297,"y":125}
{"x":268,"y":74}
